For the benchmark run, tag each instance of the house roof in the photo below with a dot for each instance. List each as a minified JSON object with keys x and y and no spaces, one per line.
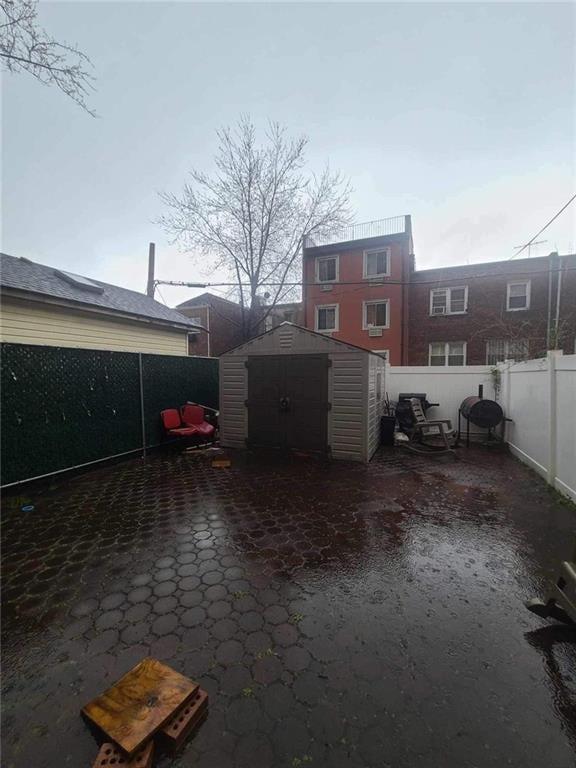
{"x":207,"y":298}
{"x":20,"y":276}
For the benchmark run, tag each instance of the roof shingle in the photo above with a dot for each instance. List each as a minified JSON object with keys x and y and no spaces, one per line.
{"x":22,"y":274}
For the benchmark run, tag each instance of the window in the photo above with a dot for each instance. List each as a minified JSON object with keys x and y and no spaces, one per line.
{"x":518,"y":296}
{"x":78,"y":281}
{"x":375,"y":314}
{"x":449,"y":301}
{"x":377,"y":263}
{"x":196,"y":321}
{"x":447,"y":353}
{"x":327,"y":269}
{"x":498,"y":350}
{"x":327,"y":317}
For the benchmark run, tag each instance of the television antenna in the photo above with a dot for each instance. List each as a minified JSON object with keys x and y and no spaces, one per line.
{"x":536,"y":242}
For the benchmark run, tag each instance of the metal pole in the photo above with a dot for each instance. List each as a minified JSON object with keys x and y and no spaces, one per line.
{"x":151,"y":286}
{"x":142,"y":421}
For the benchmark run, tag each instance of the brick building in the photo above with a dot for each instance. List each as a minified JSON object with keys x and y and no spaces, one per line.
{"x":362,"y":287}
{"x":222,"y":320}
{"x":291,"y":312}
{"x":355,"y":285}
{"x":483,"y":313}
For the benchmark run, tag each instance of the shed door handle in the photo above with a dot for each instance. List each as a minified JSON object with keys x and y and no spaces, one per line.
{"x":284,"y":403}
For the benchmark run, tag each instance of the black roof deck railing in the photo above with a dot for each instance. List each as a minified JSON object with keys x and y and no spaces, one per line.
{"x":396,"y":225}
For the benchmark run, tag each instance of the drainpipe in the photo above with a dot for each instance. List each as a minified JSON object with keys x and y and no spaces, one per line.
{"x":304,"y":308}
{"x":406,"y":278}
{"x":549,"y":321}
{"x":208,"y":329}
{"x":558,"y":294}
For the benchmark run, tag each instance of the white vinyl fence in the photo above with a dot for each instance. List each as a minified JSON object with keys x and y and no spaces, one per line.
{"x":539,"y":396}
{"x":446,"y":386}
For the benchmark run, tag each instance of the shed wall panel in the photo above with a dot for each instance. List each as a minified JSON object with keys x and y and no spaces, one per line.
{"x":347,"y":414}
{"x":233,"y":394}
{"x":376,"y":367}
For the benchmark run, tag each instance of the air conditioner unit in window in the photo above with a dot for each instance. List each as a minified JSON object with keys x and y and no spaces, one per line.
{"x":438,"y":310}
{"x":326,"y":287}
{"x":374,"y":331}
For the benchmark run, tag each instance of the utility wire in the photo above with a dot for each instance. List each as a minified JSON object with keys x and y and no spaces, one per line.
{"x":376,"y":283}
{"x":544,"y":227}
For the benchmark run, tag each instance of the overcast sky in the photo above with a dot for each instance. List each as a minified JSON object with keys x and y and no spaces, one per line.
{"x":462,"y":115}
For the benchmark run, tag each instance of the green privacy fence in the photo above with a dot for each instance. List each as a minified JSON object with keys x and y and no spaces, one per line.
{"x":62,"y":408}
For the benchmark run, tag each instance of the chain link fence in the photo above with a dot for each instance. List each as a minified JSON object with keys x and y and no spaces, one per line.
{"x":62,"y":408}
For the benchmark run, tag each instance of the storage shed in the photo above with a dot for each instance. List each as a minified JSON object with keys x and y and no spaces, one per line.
{"x":295,"y":388}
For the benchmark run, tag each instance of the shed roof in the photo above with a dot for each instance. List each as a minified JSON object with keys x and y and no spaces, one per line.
{"x":20,"y":276}
{"x":324,"y":343}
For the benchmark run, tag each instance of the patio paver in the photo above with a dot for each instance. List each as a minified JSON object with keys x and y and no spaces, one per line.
{"x":337,"y":615}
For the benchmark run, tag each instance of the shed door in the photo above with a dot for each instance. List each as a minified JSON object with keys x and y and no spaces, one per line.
{"x":288,"y":401}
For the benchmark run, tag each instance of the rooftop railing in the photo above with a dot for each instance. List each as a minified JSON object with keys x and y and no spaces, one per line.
{"x":395,"y":225}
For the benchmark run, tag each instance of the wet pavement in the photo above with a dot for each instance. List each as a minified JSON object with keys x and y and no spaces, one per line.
{"x":338,"y":615}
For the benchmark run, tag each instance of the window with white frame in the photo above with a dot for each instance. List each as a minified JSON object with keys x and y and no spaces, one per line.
{"x":518,"y":295}
{"x":377,"y":263}
{"x":327,"y":317}
{"x":327,"y":269}
{"x":449,"y":301}
{"x":498,"y":350}
{"x":196,"y":321}
{"x":447,"y":353}
{"x":375,"y":314}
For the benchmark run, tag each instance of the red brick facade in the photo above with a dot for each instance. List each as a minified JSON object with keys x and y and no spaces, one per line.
{"x":222,"y":320}
{"x":488,"y":322}
{"x":354,"y":299}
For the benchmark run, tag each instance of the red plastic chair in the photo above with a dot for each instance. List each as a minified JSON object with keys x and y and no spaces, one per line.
{"x":173,"y":424}
{"x":193,"y":416}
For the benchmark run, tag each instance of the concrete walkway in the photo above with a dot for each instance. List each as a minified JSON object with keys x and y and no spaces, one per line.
{"x":339,"y":615}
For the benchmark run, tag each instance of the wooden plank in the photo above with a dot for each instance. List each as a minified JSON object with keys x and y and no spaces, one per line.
{"x":109,"y":755}
{"x":139,"y":704}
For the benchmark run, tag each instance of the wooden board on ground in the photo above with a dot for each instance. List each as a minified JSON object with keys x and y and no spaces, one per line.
{"x":185,"y":721}
{"x":110,"y":755}
{"x":139,"y":704}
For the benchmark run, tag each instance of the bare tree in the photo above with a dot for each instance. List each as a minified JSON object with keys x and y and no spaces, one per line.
{"x":27,"y":47}
{"x":252,"y":214}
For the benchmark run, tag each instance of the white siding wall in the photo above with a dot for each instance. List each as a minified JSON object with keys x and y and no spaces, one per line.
{"x":233,"y":392}
{"x":375,"y":405}
{"x":28,"y":322}
{"x":347,"y":422}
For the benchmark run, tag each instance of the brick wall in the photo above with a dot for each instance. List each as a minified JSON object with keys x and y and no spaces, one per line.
{"x":487,"y":316}
{"x":350,"y":298}
{"x":220,"y":317}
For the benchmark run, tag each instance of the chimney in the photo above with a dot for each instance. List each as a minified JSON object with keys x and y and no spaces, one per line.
{"x":150,"y":287}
